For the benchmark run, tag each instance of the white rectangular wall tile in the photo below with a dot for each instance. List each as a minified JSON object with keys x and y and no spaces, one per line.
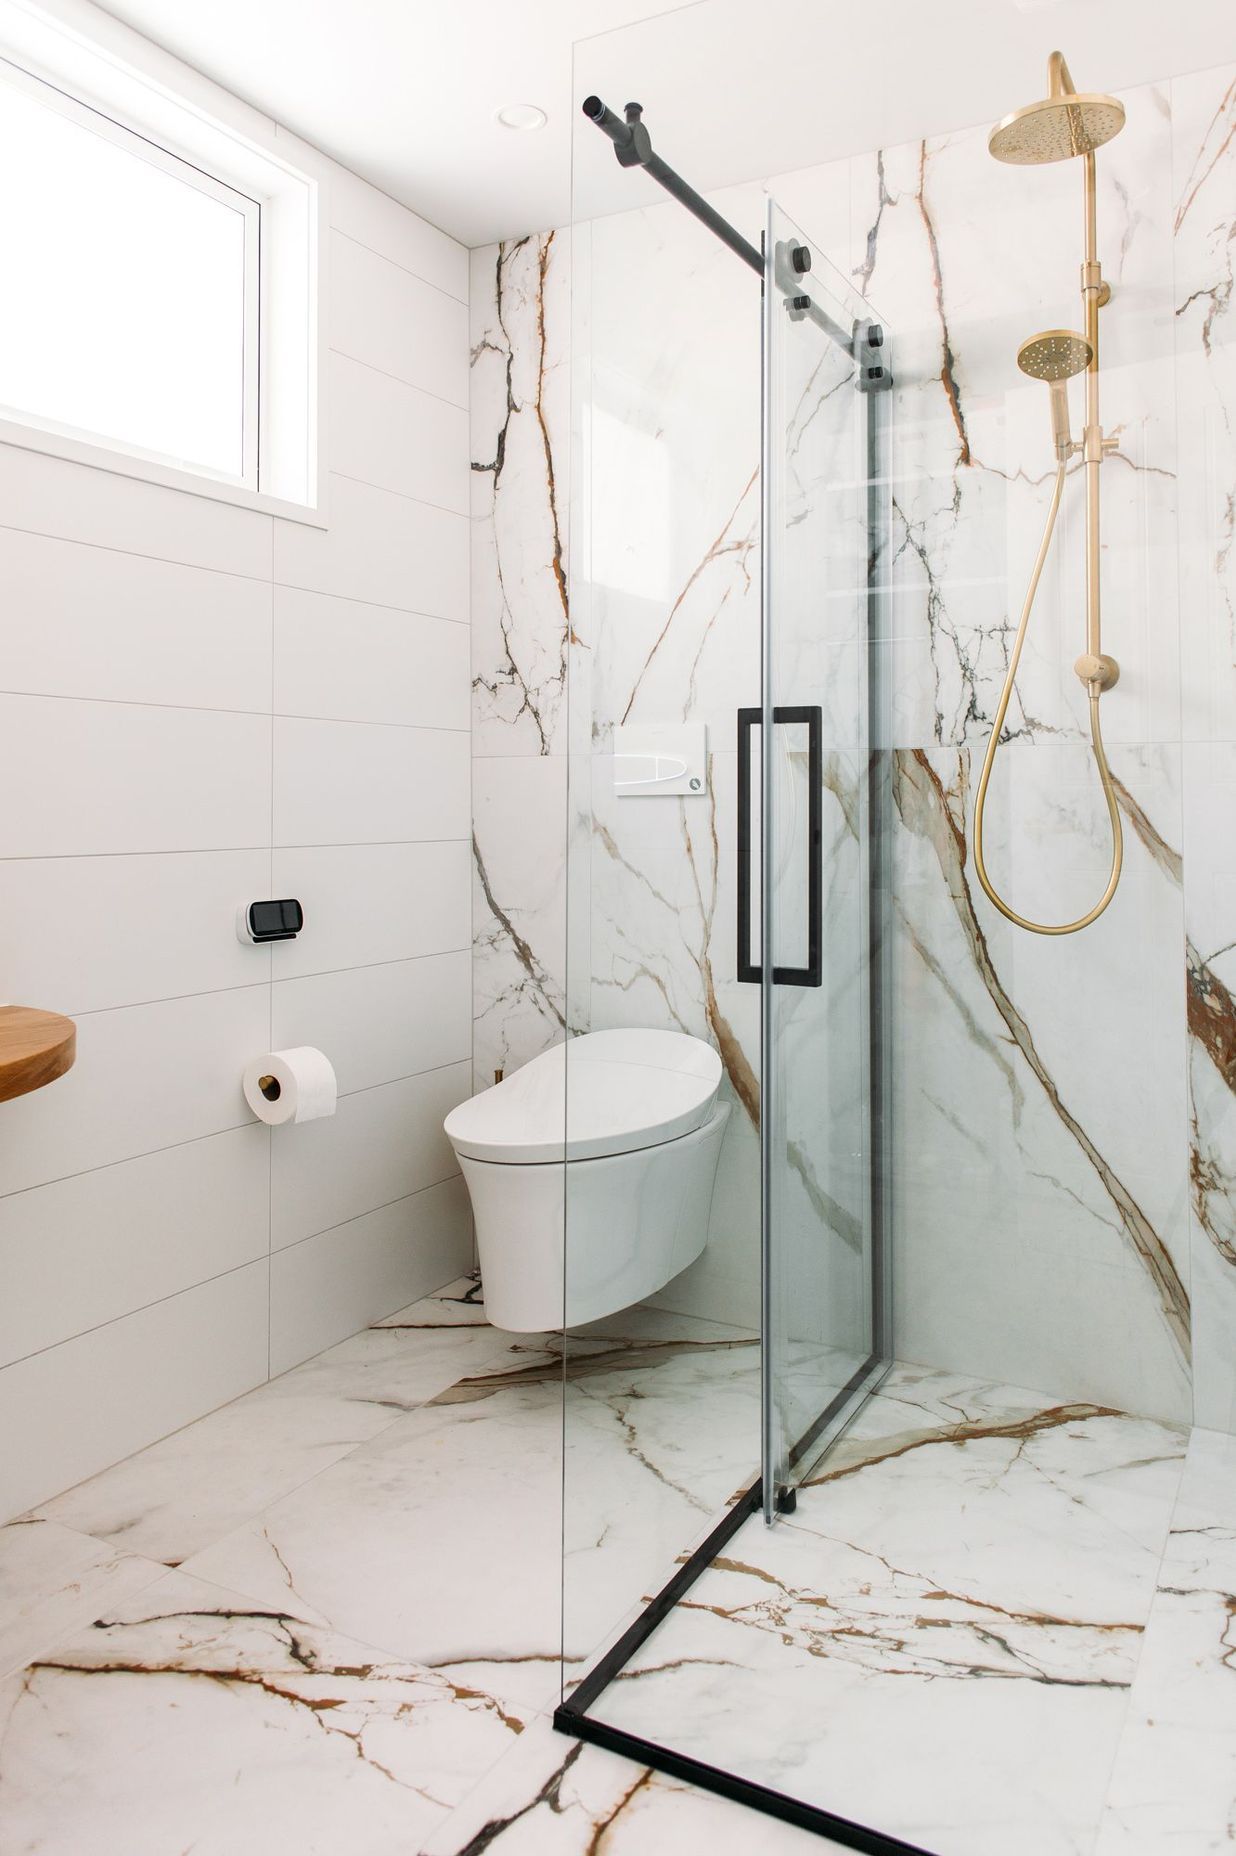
{"x":381,"y":314}
{"x":145,"y":1077}
{"x":380,"y":1145}
{"x":380,"y":1023}
{"x":341,"y":659}
{"x":379,"y":547}
{"x":80,"y":503}
{"x":123,"y":930}
{"x":357,"y":782}
{"x":327,"y":1286}
{"x":87,"y":1250}
{"x":90,"y":621}
{"x":74,"y":1409}
{"x":372,"y":902}
{"x":369,"y":217}
{"x":398,"y":437}
{"x":151,"y":639}
{"x":93,"y":777}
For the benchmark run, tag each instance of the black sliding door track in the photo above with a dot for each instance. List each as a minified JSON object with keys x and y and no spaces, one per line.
{"x":841,"y":1830}
{"x":572,"y":1716}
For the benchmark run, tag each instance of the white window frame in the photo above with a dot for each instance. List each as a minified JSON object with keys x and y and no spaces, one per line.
{"x":49,"y":96}
{"x":99,"y":73}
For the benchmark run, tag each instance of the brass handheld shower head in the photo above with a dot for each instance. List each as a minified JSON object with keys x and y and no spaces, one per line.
{"x":1055,"y":356}
{"x":1059,"y":125}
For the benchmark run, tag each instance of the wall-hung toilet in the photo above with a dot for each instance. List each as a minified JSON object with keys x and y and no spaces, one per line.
{"x":635,"y":1116}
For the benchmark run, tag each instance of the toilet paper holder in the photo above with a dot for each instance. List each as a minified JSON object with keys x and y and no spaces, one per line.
{"x":280,"y":920}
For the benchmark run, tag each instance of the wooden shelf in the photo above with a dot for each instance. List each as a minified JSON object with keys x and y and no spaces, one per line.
{"x":35,"y":1048}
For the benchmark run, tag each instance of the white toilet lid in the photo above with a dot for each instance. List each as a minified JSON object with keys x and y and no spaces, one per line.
{"x":623,"y":1090}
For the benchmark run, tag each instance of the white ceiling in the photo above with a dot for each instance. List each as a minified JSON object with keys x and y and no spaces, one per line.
{"x":405,"y":92}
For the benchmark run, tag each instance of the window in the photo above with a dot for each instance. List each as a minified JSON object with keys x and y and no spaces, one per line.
{"x":131,"y":311}
{"x":158,"y":315}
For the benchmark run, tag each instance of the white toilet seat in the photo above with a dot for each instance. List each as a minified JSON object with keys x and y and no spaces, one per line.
{"x":604,"y":1093}
{"x":635,"y":1117}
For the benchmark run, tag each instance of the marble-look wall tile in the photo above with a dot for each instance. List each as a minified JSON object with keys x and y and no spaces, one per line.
{"x":1039,"y":1176}
{"x":519,"y":417}
{"x":1210,"y":914}
{"x":1204,"y":222}
{"x":968,"y":258}
{"x":518,"y":910}
{"x":520,"y":636}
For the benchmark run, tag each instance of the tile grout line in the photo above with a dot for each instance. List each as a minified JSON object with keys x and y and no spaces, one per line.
{"x":233,"y":1127}
{"x":364,"y":244}
{"x":204,"y":1282}
{"x":262,"y":712}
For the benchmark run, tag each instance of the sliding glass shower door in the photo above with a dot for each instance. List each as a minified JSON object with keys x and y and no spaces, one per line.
{"x":825,"y":367}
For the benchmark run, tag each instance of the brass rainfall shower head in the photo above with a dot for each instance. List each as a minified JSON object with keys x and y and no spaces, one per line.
{"x":1056,"y":354}
{"x":1055,"y":128}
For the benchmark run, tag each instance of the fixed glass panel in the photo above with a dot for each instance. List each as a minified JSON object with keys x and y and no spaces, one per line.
{"x":662,"y":1242}
{"x":821,"y":376}
{"x":129,"y":311}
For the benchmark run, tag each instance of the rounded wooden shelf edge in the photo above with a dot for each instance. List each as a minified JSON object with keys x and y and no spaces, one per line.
{"x":35,"y":1048}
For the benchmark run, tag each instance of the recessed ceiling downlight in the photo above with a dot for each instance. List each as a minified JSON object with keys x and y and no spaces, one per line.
{"x":522,"y":116}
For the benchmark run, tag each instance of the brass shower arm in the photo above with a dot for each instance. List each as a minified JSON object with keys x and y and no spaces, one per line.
{"x":1059,"y":79}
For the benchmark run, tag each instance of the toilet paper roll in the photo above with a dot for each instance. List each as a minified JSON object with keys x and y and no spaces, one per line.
{"x":290,"y":1085}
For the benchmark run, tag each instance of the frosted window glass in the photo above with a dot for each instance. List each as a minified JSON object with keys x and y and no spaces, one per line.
{"x":122,"y":314}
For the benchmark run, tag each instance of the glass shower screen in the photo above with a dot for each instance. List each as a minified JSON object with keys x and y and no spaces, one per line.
{"x":824,"y":368}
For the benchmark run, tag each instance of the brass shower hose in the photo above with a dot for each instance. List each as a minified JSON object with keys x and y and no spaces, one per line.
{"x":1096,"y":736}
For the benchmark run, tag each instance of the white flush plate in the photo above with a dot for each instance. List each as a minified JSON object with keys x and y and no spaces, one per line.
{"x":661,"y":761}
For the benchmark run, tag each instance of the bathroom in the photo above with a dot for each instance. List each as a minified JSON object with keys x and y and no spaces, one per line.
{"x":507,"y":511}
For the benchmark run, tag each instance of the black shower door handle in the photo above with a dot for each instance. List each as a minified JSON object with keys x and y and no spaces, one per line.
{"x":748,"y":719}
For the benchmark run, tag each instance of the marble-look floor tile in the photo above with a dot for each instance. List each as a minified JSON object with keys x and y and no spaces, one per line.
{"x":188,"y":1719}
{"x":661,"y":1430}
{"x":53,"y":1581}
{"x":439,"y":1541}
{"x":175,"y":1498}
{"x":942,"y":1639}
{"x":1173,"y":1788}
{"x":553,"y":1796}
{"x":397,"y":1543}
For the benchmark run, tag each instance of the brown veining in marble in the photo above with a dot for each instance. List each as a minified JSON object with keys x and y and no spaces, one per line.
{"x":856,"y":1455}
{"x":320,"y":1688}
{"x":724,"y":544}
{"x":948,"y":360}
{"x":623,"y":1357}
{"x":743,"y":1079}
{"x":1219,"y":137}
{"x":1210,"y":1011}
{"x":536,"y":980}
{"x":551,"y":481}
{"x":534,"y":700}
{"x":550,"y":1793}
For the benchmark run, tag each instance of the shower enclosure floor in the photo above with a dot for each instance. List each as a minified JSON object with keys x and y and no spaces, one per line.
{"x":325,"y":1619}
{"x":995,"y":1626}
